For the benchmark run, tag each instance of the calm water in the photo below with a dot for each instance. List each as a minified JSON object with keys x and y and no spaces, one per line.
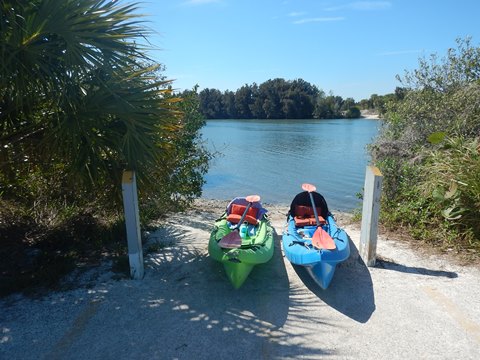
{"x":273,"y":158}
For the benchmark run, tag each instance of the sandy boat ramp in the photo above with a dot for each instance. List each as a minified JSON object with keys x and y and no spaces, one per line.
{"x":411,"y":305}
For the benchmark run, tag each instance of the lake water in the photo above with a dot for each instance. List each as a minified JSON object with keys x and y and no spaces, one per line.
{"x":272,"y":158}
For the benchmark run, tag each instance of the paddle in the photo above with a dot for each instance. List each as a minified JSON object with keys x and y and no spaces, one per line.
{"x":320,"y":239}
{"x":233,"y":239}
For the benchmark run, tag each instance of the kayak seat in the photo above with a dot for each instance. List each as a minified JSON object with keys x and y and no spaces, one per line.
{"x":237,"y":211}
{"x":304,"y":216}
{"x":304,"y":199}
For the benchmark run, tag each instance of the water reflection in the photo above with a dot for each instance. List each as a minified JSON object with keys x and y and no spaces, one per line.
{"x":273,"y":157}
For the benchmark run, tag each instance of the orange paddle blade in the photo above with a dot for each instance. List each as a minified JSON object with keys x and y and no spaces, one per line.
{"x":322,"y":240}
{"x":231,"y":241}
{"x":252,"y":198}
{"x":308,"y":187}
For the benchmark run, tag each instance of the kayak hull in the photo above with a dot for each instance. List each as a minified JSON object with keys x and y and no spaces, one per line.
{"x":319,"y":263}
{"x":237,"y":273}
{"x":239,"y":262}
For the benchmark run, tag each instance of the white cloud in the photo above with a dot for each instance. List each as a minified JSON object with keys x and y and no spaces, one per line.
{"x":319,"y":19}
{"x":296,"y":13}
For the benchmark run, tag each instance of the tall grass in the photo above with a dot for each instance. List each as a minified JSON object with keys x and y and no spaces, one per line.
{"x":452,"y":181}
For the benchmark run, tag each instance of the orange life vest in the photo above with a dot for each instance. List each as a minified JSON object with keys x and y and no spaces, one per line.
{"x":304,"y":216}
{"x":237,"y":211}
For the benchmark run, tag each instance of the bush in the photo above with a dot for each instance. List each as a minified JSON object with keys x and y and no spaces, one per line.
{"x":80,"y":102}
{"x":353,"y":113}
{"x":432,"y":187}
{"x":452,"y":182}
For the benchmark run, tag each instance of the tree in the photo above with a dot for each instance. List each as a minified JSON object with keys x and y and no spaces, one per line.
{"x":460,"y":66}
{"x":272,"y":91}
{"x":229,"y":104}
{"x":400,"y":93}
{"x":353,"y":113}
{"x":212,"y":104}
{"x":347,"y":104}
{"x":183,"y":168}
{"x":244,"y":101}
{"x":80,"y":101}
{"x":328,"y":107}
{"x":273,"y":99}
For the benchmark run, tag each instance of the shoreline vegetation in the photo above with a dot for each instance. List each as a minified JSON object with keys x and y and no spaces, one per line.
{"x":287,"y":99}
{"x":428,"y":151}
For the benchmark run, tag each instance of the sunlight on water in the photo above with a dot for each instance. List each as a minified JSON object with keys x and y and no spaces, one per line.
{"x":272,"y":158}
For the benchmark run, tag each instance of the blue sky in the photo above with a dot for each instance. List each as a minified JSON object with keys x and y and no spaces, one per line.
{"x":351,"y":48}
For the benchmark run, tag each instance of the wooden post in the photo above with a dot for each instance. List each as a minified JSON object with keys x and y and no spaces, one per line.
{"x":132,"y":222}
{"x":370,"y":214}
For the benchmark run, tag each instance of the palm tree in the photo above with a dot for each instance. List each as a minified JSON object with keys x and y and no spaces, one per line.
{"x":78,"y":104}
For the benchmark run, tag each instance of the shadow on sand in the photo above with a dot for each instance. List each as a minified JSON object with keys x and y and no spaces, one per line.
{"x":351,"y":290}
{"x":387,"y":264}
{"x":192,"y":310}
{"x":185,"y":308}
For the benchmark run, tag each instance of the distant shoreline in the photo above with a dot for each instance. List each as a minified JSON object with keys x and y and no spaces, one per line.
{"x":372,"y":116}
{"x":369,"y":114}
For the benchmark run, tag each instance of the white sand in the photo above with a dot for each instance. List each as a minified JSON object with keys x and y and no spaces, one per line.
{"x":412,"y":305}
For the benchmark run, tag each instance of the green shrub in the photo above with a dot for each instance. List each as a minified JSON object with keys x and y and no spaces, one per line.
{"x":452,"y":182}
{"x":432,"y":187}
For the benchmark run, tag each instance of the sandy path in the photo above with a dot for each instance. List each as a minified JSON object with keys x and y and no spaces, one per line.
{"x":408,"y":307}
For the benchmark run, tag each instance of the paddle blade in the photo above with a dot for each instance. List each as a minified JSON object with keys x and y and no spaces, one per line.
{"x":252,"y":198}
{"x":309,"y":187}
{"x":231,"y":241}
{"x":322,"y":240}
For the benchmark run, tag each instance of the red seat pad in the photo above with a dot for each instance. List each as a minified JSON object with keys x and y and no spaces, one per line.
{"x":299,"y":222}
{"x":305,"y":216}
{"x":306,"y":211}
{"x":237,"y":211}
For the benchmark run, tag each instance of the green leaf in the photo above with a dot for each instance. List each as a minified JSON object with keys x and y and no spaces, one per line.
{"x":438,"y":195}
{"x":452,"y":214}
{"x":452,"y":191}
{"x":436,"y":137}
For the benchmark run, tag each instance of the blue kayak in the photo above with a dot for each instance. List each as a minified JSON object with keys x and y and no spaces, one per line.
{"x":319,"y":262}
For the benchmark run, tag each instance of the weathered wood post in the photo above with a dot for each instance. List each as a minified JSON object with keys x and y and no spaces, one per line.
{"x":370,"y":215}
{"x":132,"y":222}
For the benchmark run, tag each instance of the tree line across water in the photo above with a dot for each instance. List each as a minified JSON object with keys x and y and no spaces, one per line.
{"x":284,"y":99}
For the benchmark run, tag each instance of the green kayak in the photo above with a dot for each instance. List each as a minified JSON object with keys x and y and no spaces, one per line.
{"x":254,"y":235}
